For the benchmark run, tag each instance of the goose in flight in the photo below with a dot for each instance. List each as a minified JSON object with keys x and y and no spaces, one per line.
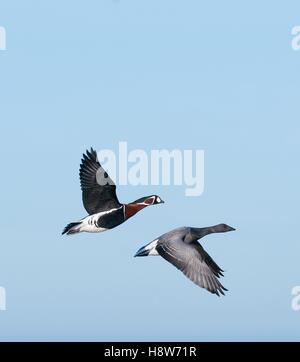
{"x":181,"y":248}
{"x":100,"y":199}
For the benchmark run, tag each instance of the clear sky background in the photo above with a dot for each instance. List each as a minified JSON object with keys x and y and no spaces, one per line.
{"x":219,"y":76}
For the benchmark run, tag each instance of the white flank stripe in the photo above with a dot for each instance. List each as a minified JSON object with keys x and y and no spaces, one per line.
{"x":89,"y":223}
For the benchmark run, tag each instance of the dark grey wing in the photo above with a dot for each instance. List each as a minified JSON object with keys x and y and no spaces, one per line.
{"x":214,"y":267}
{"x":98,"y":189}
{"x":194,"y":262}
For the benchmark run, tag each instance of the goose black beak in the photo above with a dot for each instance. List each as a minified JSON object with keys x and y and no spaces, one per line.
{"x":142,"y":252}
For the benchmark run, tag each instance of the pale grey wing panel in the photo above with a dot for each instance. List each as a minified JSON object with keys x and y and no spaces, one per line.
{"x":189,"y":259}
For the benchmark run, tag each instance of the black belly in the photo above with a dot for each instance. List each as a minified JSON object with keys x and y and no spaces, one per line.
{"x":111,"y":220}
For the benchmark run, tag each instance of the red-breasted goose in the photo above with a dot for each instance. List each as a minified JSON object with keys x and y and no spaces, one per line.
{"x":100,"y":199}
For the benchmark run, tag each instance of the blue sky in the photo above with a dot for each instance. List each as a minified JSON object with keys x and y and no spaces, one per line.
{"x":218,"y":76}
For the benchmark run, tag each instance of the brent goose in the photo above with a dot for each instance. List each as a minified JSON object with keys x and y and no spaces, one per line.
{"x":100,"y":199}
{"x":181,"y":248}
